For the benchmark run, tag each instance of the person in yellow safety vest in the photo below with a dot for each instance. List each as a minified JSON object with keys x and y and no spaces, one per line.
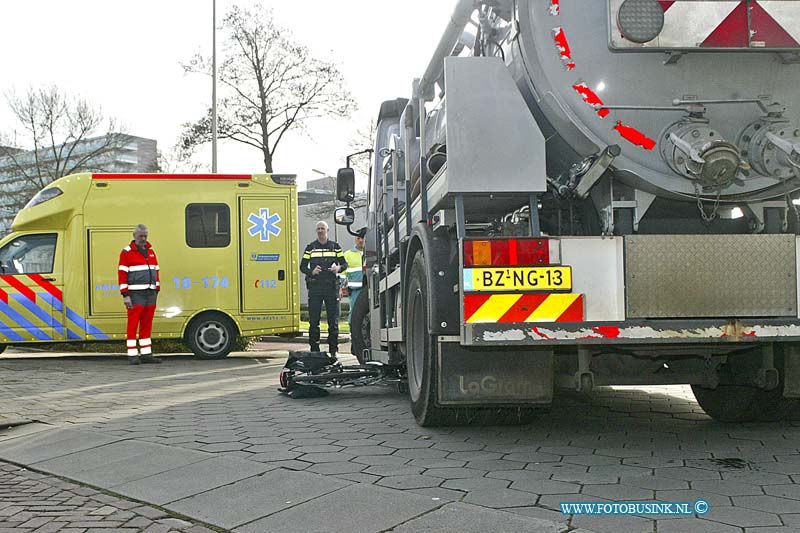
{"x":355,"y":272}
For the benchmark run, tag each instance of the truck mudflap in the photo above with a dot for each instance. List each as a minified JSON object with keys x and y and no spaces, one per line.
{"x":631,"y":332}
{"x":503,"y":377}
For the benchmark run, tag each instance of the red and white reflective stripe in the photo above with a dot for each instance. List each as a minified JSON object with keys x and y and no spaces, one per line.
{"x":555,"y":7}
{"x":139,"y":268}
{"x":139,"y":287}
{"x":705,"y":17}
{"x":123,"y":286}
{"x":132,"y":352}
{"x":647,"y":332}
{"x":635,"y":136}
{"x":775,"y":24}
{"x":637,"y":333}
{"x":591,"y":98}
{"x":784,"y":14}
{"x":562,"y":45}
{"x":145,"y":346}
{"x":728,"y":24}
{"x":131,"y":343}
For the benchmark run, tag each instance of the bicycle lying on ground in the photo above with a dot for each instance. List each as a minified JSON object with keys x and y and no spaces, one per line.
{"x":309,"y":374}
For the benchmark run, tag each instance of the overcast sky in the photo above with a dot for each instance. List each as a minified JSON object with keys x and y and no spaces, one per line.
{"x":125,"y":57}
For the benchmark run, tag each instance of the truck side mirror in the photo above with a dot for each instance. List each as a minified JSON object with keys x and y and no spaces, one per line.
{"x":345,"y":185}
{"x":344,"y":216}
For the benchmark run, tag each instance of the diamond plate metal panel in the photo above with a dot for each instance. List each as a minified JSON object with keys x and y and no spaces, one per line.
{"x":693,"y":276}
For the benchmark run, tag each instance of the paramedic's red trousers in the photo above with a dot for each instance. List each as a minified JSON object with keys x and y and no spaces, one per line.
{"x":140,"y":317}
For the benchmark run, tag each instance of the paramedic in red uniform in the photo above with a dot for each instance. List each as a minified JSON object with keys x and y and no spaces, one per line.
{"x":139,"y":285}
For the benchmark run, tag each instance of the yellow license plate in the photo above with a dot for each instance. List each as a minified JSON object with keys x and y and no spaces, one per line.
{"x":502,"y":279}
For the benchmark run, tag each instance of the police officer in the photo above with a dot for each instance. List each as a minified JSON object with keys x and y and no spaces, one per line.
{"x":322,"y":261}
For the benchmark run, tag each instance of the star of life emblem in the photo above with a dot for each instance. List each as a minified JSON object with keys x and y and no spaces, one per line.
{"x":264,"y":224}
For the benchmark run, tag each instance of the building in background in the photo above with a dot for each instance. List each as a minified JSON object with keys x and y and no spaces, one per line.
{"x":131,"y":154}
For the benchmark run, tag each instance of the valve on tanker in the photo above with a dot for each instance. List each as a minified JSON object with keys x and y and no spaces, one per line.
{"x":772,"y":148}
{"x":696,"y":151}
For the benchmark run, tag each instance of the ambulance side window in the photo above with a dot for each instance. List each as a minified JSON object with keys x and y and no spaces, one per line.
{"x":208,"y":225}
{"x":29,"y":254}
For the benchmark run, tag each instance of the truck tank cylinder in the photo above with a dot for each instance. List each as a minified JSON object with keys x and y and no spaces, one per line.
{"x":692,"y":109}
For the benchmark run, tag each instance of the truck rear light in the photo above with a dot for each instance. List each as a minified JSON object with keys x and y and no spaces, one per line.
{"x":477,"y":253}
{"x":509,"y":252}
{"x":536,"y":252}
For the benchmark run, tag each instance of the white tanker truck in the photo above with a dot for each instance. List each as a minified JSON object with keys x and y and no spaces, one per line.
{"x":590,"y":192}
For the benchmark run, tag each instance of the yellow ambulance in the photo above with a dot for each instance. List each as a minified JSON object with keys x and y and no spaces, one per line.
{"x":226,"y":246}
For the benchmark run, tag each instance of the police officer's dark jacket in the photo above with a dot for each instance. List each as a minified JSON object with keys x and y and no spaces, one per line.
{"x":322,"y":255}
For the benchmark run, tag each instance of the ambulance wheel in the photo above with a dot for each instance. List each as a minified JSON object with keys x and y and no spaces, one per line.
{"x":359,"y":337}
{"x":211,"y":336}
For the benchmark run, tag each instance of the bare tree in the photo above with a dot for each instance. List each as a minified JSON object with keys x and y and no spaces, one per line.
{"x":55,"y":135}
{"x":325,"y":210}
{"x":55,"y":128}
{"x":176,"y":161}
{"x":364,"y":139}
{"x":270,"y":85}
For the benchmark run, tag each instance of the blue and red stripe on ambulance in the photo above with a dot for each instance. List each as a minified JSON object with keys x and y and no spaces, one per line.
{"x":25,"y":313}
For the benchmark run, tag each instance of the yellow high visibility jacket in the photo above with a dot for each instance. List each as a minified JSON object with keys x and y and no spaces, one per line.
{"x":355,"y":272}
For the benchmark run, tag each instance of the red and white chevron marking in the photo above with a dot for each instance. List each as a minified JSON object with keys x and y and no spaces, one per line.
{"x":727,"y":24}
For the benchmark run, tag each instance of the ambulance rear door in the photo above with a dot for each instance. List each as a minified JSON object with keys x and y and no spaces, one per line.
{"x":264,"y":242}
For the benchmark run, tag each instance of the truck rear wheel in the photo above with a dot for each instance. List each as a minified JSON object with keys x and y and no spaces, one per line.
{"x":210,"y":336}
{"x":747,"y":403}
{"x":360,"y":336}
{"x":421,"y":354}
{"x":737,"y":403}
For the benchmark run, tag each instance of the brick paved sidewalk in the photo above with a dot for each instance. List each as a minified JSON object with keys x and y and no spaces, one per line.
{"x":35,"y":503}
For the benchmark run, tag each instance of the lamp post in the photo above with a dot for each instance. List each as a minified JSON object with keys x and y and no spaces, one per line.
{"x":214,"y":87}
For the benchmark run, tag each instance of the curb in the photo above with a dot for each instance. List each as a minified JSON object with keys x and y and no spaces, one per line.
{"x":302,"y":338}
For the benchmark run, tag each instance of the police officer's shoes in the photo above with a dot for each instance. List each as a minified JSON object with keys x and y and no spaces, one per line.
{"x":149,"y":359}
{"x":133,"y":360}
